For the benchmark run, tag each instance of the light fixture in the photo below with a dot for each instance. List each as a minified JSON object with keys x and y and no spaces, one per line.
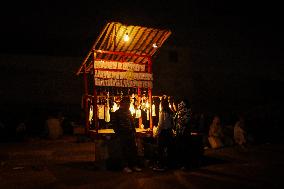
{"x":132,"y":109}
{"x":126,"y":37}
{"x":155,"y":45}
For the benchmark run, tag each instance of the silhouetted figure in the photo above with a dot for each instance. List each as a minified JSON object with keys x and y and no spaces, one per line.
{"x":123,"y":125}
{"x":183,"y":130}
{"x":164,"y":136}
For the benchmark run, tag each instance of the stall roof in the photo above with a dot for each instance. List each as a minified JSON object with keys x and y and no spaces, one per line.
{"x":111,"y":45}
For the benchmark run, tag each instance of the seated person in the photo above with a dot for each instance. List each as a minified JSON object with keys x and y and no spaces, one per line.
{"x":215,"y":133}
{"x":240,"y":135}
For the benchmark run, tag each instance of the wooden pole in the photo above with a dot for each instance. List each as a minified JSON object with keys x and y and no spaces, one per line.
{"x":139,"y":100}
{"x":95,"y":117}
{"x":150,"y":93}
{"x":150,"y":104}
{"x":86,"y":107}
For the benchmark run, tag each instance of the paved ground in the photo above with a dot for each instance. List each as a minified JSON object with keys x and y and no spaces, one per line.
{"x":67,"y":164}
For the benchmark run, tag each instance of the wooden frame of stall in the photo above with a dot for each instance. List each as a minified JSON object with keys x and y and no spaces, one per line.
{"x":111,"y":46}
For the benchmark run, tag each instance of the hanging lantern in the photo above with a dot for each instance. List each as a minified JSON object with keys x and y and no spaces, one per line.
{"x":115,"y":107}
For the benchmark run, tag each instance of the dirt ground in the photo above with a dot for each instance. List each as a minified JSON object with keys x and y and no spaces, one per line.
{"x":66,"y":163}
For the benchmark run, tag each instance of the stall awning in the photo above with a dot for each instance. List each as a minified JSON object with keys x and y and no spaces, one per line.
{"x":119,"y":42}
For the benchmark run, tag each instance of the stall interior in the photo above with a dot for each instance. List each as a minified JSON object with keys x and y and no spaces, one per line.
{"x":108,"y":102}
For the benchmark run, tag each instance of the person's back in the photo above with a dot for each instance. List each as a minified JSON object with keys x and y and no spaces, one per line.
{"x":124,"y":128}
{"x":165,"y":121}
{"x":123,"y":122}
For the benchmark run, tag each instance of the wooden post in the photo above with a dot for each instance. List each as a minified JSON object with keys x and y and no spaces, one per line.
{"x":86,"y":107}
{"x":139,"y":100}
{"x":95,"y":117}
{"x":150,"y":104}
{"x":150,"y":93}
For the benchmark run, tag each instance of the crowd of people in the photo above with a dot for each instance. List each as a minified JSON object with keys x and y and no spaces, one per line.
{"x":180,"y":135}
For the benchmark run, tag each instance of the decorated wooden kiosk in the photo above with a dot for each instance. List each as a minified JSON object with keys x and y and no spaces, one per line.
{"x":120,"y":63}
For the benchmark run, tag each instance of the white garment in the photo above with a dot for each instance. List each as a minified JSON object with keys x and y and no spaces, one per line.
{"x":107,"y":114}
{"x":153,"y":110}
{"x":138,"y":113}
{"x":165,"y":121}
{"x":101,"y":111}
{"x":91,"y":113}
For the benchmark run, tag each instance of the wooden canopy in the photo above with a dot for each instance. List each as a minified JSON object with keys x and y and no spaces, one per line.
{"x":111,"y":44}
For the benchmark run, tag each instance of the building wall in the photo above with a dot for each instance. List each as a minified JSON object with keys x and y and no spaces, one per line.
{"x":216,"y":80}
{"x":36,"y":80}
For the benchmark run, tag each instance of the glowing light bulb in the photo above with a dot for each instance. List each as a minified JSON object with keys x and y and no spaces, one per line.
{"x":126,"y":37}
{"x":154,"y":45}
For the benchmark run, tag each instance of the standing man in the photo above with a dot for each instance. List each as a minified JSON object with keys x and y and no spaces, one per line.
{"x":124,"y":128}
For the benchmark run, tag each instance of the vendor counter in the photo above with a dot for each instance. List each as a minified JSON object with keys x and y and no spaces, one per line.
{"x":107,"y":144}
{"x":109,"y":132}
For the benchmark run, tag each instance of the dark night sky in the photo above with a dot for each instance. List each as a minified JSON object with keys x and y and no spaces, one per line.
{"x":229,"y":34}
{"x":70,"y":28}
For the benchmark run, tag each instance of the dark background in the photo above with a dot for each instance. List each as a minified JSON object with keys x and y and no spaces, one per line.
{"x":241,"y":39}
{"x":69,"y":28}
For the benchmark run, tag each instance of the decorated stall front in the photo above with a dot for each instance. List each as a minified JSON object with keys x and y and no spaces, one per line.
{"x":120,"y":64}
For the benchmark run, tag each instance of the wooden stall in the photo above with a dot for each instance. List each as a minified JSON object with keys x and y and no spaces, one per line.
{"x":119,"y":63}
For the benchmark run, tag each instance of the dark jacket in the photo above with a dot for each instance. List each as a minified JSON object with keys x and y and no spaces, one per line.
{"x":123,"y":122}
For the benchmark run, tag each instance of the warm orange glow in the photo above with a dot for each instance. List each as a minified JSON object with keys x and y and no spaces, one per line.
{"x":115,"y":107}
{"x":132,"y":109}
{"x":126,"y":37}
{"x":147,"y":105}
